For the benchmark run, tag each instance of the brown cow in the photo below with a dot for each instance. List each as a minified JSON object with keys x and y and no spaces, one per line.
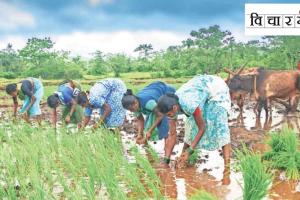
{"x":240,"y":95}
{"x":269,"y":85}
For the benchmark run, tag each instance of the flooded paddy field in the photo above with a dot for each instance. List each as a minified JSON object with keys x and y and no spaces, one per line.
{"x":207,"y":173}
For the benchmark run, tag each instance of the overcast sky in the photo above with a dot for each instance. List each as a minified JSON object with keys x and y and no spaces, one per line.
{"x":84,"y":26}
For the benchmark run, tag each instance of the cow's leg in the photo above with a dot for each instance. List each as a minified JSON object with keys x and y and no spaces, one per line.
{"x":255,"y":109}
{"x":294,"y":99}
{"x":259,"y":107}
{"x":268,"y":120}
{"x":266,"y":107}
{"x":240,"y":103}
{"x":287,"y":105}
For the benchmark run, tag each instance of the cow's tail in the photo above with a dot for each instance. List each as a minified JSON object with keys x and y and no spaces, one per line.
{"x":298,"y":82}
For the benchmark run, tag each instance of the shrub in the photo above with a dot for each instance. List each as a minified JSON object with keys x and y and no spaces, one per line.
{"x":9,"y":75}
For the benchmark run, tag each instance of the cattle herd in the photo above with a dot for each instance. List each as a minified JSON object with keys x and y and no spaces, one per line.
{"x":265,"y":86}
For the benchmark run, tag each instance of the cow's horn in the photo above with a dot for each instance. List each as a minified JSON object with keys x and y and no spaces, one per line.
{"x":229,"y":71}
{"x":242,"y":68}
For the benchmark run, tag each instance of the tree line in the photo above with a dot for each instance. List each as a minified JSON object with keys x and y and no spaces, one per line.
{"x":207,"y":50}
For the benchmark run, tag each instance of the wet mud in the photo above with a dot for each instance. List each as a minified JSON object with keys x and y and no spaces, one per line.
{"x":207,"y":174}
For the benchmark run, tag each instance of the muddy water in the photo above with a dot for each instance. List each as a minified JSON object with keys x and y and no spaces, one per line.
{"x":208,"y":172}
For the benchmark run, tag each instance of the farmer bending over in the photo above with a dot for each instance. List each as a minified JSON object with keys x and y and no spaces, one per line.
{"x":156,"y":125}
{"x":68,"y":95}
{"x":31,"y":92}
{"x":106,"y":96}
{"x":205,"y":101}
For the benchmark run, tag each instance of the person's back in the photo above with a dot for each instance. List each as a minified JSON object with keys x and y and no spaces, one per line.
{"x":212,"y":87}
{"x":68,"y":90}
{"x":153,"y":92}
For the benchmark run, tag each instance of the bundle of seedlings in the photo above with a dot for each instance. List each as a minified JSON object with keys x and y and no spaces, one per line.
{"x":284,"y":153}
{"x":257,"y":179}
{"x":181,"y":163}
{"x":194,"y":157}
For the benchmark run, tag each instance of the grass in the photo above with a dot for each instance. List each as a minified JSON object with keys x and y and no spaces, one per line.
{"x":284,"y":153}
{"x":257,"y":179}
{"x":202,"y":195}
{"x":86,"y":165}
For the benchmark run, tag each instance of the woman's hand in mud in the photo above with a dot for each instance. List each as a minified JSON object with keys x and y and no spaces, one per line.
{"x":68,"y":119}
{"x":14,"y":118}
{"x":140,"y":139}
{"x":98,"y":124}
{"x":140,"y":136}
{"x":24,"y":115}
{"x":148,"y":135}
{"x":182,"y":161}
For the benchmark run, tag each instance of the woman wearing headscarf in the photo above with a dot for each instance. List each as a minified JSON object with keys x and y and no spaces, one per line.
{"x":205,"y":101}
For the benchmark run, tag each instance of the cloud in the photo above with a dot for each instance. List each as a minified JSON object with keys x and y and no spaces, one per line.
{"x":17,"y":41}
{"x":12,"y":18}
{"x":84,"y":43}
{"x":123,"y":41}
{"x":57,"y":16}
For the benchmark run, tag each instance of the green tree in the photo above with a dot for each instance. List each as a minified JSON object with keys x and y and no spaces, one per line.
{"x":118,"y":63}
{"x":144,"y":49}
{"x":98,"y":64}
{"x":9,"y":59}
{"x":37,"y":51}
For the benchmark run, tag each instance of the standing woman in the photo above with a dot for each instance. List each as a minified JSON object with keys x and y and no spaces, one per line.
{"x":31,"y":92}
{"x":156,"y":125}
{"x":68,"y":95}
{"x":205,"y":100}
{"x":106,"y":96}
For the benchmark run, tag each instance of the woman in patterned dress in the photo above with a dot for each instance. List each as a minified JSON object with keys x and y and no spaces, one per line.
{"x":106,"y":95}
{"x":31,"y":91}
{"x":156,"y":125}
{"x":205,"y":101}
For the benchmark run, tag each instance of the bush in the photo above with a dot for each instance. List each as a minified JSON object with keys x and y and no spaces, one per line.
{"x":8,"y":75}
{"x":55,"y":72}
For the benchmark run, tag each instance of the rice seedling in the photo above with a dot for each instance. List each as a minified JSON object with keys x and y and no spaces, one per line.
{"x":147,"y":173}
{"x":152,"y":153}
{"x":49,"y":165}
{"x":284,"y":153}
{"x":194,"y":157}
{"x":202,"y":195}
{"x":257,"y":179}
